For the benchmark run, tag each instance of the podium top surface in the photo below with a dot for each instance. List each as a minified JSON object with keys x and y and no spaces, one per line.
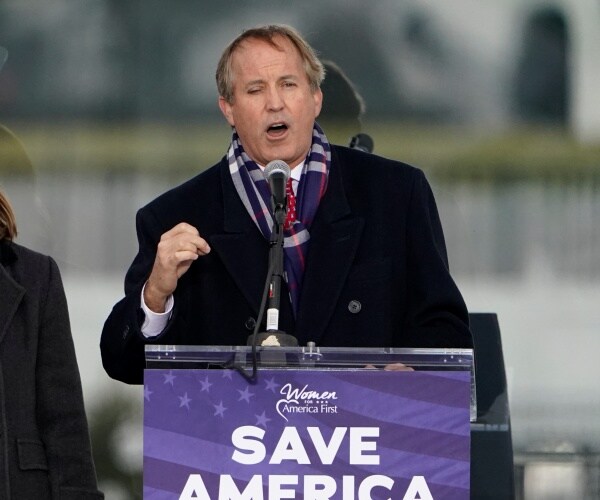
{"x":312,"y":357}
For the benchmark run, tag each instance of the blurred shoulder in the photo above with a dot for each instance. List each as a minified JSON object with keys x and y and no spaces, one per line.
{"x":27,"y":261}
{"x":195,"y":201}
{"x":205,"y":181}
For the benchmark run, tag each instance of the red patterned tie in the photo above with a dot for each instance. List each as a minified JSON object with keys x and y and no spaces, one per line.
{"x":291,"y":205}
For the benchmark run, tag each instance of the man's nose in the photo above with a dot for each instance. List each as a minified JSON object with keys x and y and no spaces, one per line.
{"x":274,"y":99}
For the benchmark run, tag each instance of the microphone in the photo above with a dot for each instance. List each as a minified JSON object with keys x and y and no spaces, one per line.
{"x":362,"y":142}
{"x":277,"y":172}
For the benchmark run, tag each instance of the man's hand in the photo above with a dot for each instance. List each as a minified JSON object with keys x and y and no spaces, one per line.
{"x":398,"y":367}
{"x":394,"y":367}
{"x":176,"y":251}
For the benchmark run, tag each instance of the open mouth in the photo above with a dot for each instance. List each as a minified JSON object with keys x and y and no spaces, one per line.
{"x":277,"y":129}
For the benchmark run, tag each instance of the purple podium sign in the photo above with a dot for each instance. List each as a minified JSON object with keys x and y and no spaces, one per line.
{"x":310,"y":434}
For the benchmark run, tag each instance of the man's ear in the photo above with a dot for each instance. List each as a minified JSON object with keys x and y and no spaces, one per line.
{"x":226,"y":110}
{"x":318,"y":97}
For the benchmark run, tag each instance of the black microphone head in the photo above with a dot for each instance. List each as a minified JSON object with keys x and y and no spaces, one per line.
{"x":277,"y":173}
{"x":362,"y":142}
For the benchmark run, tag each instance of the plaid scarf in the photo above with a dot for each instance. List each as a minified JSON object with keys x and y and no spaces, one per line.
{"x":253,"y":190}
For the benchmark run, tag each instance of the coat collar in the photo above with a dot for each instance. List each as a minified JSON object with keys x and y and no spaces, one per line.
{"x":7,"y":253}
{"x":12,"y":292}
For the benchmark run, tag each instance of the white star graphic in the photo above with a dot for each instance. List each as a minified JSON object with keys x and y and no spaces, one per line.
{"x":184,"y":401}
{"x":227,"y":374}
{"x":272,"y":386}
{"x":169,"y":378}
{"x":147,"y":393}
{"x":262,"y":420}
{"x":245,"y":394}
{"x":205,"y":385}
{"x":219,"y":409}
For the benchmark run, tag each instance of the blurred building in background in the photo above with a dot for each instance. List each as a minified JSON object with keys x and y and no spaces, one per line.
{"x":497,"y":101}
{"x":467,"y":62}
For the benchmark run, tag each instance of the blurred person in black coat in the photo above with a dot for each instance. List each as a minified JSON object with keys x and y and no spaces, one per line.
{"x":44,"y":440}
{"x":45,"y":450}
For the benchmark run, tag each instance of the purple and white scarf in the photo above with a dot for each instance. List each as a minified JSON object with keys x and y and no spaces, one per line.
{"x":255,"y":194}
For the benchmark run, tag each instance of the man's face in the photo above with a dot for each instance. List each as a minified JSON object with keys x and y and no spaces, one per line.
{"x":273,"y":107}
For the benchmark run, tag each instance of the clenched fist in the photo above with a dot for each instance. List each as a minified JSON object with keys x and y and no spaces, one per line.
{"x":176,"y":251}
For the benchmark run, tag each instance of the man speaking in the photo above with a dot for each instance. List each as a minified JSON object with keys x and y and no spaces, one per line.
{"x":364,"y":255}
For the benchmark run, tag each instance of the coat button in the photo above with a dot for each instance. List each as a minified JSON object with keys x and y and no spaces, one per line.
{"x":250,"y":323}
{"x":354,"y":306}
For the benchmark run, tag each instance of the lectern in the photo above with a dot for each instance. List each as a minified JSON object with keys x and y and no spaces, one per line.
{"x":315,"y":423}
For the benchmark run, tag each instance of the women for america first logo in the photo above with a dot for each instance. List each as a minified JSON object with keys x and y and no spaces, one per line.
{"x":303,"y":400}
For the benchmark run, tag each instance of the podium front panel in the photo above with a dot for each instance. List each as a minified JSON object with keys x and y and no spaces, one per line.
{"x":306,"y":433}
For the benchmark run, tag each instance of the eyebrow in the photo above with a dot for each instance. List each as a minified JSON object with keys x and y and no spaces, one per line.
{"x":253,"y":82}
{"x":288,"y":77}
{"x":260,"y":81}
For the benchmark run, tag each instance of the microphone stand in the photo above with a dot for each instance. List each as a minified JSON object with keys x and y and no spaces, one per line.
{"x":271,"y":295}
{"x":273,"y":336}
{"x":276,"y":261}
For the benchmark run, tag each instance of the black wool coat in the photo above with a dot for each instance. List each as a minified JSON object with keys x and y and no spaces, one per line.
{"x":45,"y":450}
{"x":376,"y":272}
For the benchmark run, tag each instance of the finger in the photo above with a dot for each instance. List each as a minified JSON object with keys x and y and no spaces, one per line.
{"x":168,"y":245}
{"x":202,"y":246}
{"x":185,"y":255}
{"x":181,"y":228}
{"x":196,"y":244}
{"x":183,"y":238}
{"x":398,"y":367}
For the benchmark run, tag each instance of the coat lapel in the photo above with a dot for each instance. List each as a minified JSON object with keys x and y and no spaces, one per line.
{"x":241,"y":246}
{"x":11,"y":292}
{"x":334,"y":238}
